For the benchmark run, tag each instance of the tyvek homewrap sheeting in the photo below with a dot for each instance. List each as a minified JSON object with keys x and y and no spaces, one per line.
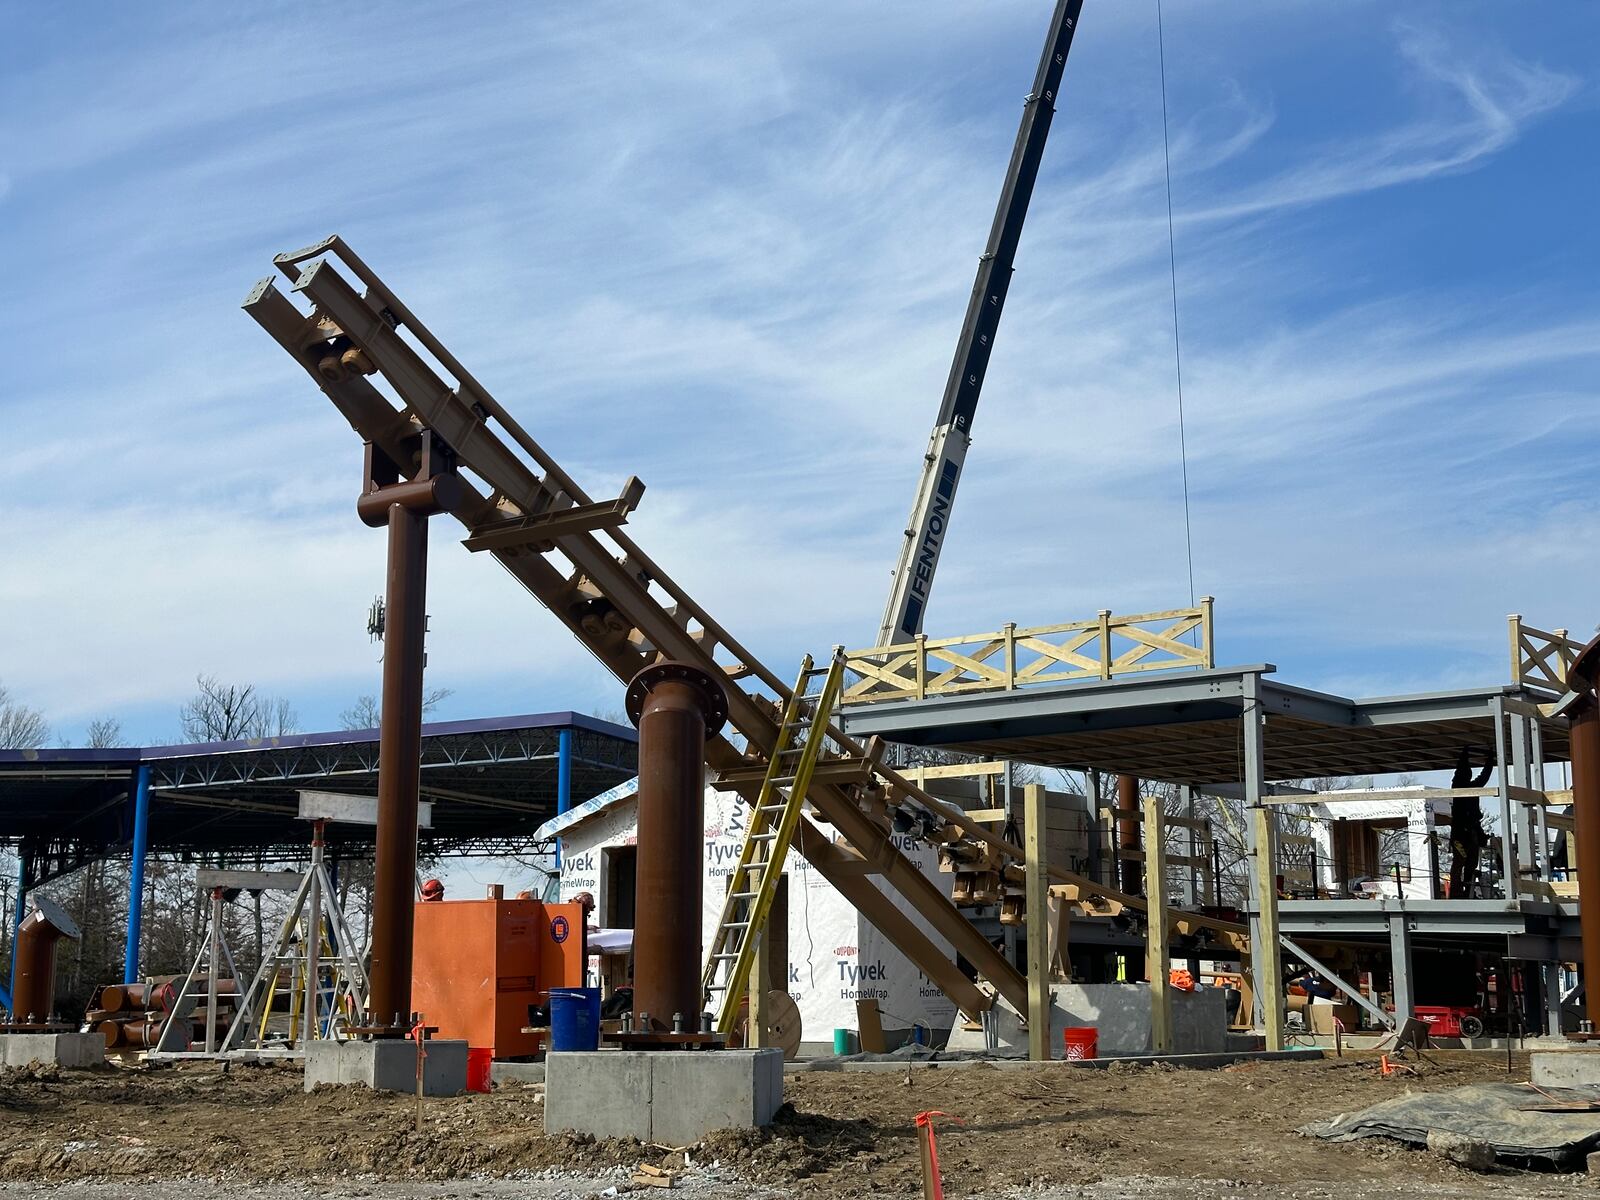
{"x":1505,"y":1115}
{"x":836,"y":957}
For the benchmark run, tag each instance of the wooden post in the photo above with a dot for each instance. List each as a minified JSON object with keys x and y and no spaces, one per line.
{"x":760,"y":1027}
{"x":1515,"y":621}
{"x":922,"y":666}
{"x":1266,"y":955}
{"x":1105,"y":643}
{"x":1010,"y":633}
{"x":1207,"y":633}
{"x":1038,"y":901}
{"x":1156,"y":927}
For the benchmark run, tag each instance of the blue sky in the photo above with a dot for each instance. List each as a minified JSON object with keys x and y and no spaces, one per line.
{"x":727,"y":248}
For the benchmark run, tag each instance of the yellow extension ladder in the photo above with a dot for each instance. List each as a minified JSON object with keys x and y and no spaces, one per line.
{"x":773,"y":820}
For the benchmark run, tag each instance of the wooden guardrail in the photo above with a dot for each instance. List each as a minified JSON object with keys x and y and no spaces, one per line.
{"x":1011,"y":658}
{"x":1540,"y":658}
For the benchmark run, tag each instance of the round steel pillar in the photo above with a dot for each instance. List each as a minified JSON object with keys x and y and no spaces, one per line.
{"x":1129,"y":834}
{"x":1584,"y":721}
{"x":676,"y":707}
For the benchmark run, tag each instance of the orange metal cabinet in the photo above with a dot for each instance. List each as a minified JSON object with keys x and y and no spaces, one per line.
{"x":480,"y":966}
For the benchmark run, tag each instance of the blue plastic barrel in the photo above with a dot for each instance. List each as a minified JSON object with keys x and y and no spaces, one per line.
{"x":574,"y":1018}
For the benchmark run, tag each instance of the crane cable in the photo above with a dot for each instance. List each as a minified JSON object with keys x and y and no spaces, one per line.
{"x":1172,"y":260}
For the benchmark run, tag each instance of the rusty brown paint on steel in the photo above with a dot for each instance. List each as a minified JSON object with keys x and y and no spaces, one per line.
{"x":1128,"y":834}
{"x":675,"y":705}
{"x":34,"y":994}
{"x":1584,"y":717}
{"x":404,"y":507}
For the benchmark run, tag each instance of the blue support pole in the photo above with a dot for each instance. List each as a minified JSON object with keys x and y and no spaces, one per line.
{"x":17,"y":912}
{"x":563,"y":780}
{"x":141,"y":840}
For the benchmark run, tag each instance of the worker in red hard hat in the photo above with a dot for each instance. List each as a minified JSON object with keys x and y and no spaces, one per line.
{"x":432,"y":891}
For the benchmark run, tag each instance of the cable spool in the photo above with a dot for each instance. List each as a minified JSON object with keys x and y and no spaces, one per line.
{"x":785,"y":1024}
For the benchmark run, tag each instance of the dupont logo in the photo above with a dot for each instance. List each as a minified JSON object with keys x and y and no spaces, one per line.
{"x":560,"y":930}
{"x":845,"y":952}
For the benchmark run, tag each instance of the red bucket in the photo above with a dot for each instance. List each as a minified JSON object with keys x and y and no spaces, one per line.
{"x":478,"y":1065}
{"x":1081,"y":1041}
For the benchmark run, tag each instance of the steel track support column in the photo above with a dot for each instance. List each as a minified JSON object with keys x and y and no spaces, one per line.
{"x":1034,"y":815}
{"x":1129,"y":876}
{"x":404,"y":508}
{"x":675,"y":707}
{"x":140,"y":846}
{"x":1584,"y":719}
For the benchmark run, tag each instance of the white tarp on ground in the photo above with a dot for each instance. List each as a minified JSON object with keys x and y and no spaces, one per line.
{"x":835,"y":956}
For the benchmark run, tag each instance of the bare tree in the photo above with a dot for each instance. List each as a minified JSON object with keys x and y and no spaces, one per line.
{"x":21,"y":727}
{"x":366,"y":714}
{"x":363,"y":714}
{"x":104,"y":732}
{"x":221,"y":712}
{"x":277,"y":718}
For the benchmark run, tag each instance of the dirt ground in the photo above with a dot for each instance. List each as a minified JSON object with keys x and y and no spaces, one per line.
{"x":1037,"y":1132}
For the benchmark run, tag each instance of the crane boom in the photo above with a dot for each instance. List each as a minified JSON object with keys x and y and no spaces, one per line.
{"x":947,"y":448}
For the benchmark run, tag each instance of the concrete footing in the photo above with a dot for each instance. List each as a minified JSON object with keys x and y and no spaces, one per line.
{"x":1577,"y":1067}
{"x":71,"y":1050}
{"x":674,"y":1097}
{"x":1119,"y":1012}
{"x":389,"y":1066}
{"x":516,"y":1072}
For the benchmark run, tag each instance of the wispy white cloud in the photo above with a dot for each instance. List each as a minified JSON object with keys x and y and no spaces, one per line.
{"x":1473,"y":105}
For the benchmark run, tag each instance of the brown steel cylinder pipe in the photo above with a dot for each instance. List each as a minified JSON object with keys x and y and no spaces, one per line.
{"x":124,"y":997}
{"x":1129,"y":833}
{"x":404,"y":506}
{"x":676,"y":707}
{"x":34,"y":996}
{"x":399,"y":767}
{"x":1584,"y":732}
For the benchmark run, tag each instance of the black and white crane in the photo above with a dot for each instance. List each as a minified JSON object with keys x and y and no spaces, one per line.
{"x":952,"y":432}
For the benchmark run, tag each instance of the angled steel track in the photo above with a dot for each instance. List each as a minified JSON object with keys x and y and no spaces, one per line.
{"x":573,"y":556}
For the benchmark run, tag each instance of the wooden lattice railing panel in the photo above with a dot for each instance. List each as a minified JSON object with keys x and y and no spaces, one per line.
{"x":1540,"y":658}
{"x":1101,"y":648}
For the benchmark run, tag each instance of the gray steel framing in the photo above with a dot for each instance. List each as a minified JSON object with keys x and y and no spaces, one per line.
{"x":1181,"y":728}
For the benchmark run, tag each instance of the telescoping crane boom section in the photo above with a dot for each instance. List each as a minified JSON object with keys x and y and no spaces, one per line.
{"x":521,"y":507}
{"x":952,"y":433}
